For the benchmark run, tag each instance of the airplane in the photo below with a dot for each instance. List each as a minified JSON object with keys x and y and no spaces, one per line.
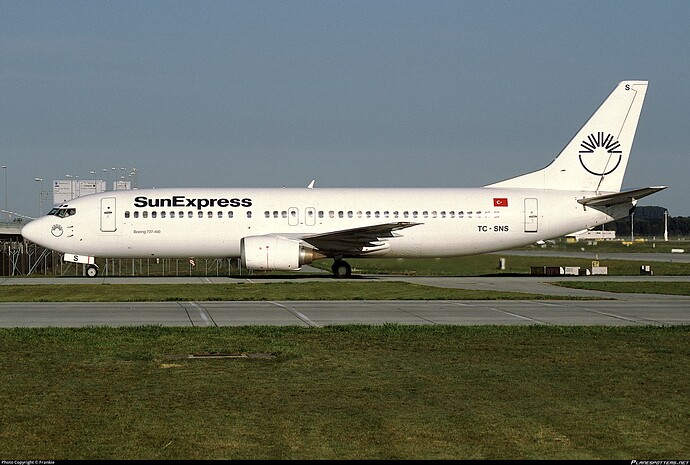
{"x":286,"y":228}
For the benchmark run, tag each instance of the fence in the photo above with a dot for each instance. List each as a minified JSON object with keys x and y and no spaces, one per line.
{"x":20,"y":257}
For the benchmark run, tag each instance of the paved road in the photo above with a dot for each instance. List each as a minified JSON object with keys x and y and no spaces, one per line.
{"x":612,"y":309}
{"x":639,"y":256}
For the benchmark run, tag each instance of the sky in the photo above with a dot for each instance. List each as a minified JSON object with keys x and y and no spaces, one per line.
{"x":350,"y":93}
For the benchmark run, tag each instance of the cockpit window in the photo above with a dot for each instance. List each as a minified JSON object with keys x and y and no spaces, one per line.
{"x":63,"y":212}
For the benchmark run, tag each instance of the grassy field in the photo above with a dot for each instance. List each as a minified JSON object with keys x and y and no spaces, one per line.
{"x":487,"y":265}
{"x":337,"y":290}
{"x":346,"y":392}
{"x":644,"y":287}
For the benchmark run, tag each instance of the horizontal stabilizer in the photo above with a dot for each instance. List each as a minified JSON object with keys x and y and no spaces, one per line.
{"x":609,"y":200}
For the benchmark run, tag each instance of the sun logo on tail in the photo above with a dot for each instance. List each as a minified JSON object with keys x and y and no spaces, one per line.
{"x":598,"y":154}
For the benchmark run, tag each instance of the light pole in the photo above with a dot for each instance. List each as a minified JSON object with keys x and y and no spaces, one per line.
{"x":666,"y":225}
{"x":4,"y":168}
{"x":632,"y":227}
{"x":40,"y":196}
{"x":135,"y":176}
{"x":71,"y":186}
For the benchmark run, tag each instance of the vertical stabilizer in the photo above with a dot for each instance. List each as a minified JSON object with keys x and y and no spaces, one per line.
{"x":596,"y":158}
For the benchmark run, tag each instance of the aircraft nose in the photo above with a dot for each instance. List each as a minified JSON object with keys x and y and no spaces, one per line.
{"x":32,"y":231}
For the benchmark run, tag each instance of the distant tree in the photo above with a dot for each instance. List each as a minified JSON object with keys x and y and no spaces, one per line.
{"x":649,"y":221}
{"x":679,"y":226}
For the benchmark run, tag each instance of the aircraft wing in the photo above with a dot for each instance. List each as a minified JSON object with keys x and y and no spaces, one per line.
{"x":608,"y":200}
{"x":354,"y":241}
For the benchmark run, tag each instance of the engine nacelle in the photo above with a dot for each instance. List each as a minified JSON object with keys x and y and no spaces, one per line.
{"x":274,"y":253}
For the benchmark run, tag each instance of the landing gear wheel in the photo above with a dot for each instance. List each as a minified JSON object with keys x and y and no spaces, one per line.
{"x":92,"y":271}
{"x":341,"y":269}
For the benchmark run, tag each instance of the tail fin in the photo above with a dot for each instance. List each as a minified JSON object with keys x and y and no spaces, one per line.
{"x":596,"y":158}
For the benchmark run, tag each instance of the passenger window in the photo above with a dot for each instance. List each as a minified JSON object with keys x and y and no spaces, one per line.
{"x":154,"y":214}
{"x":220,"y":213}
{"x":249,"y":214}
{"x":172,"y":214}
{"x":126,"y":214}
{"x":145,"y":214}
{"x":136,"y":214}
{"x":163,"y":214}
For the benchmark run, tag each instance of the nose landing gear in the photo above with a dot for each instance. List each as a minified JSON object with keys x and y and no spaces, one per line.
{"x":91,"y":271}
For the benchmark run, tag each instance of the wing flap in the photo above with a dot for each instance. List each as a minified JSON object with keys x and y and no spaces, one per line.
{"x":355,"y":240}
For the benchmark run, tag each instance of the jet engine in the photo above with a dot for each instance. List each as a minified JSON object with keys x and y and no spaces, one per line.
{"x":275,"y":253}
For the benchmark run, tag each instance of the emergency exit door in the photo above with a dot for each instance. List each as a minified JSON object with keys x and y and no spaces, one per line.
{"x":108,"y":214}
{"x":531,"y":215}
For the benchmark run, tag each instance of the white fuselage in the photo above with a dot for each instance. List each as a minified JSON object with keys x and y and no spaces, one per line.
{"x":211,"y":222}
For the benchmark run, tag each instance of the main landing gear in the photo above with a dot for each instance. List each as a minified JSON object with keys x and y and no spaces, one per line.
{"x":341,"y":269}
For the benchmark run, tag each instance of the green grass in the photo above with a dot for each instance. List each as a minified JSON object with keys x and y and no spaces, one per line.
{"x":346,"y":392}
{"x":642,"y":287}
{"x":339,"y":290}
{"x":487,"y":265}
